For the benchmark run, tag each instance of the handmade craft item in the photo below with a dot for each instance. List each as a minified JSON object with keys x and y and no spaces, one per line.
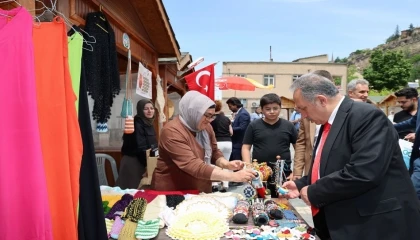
{"x":273,"y":210}
{"x":203,"y":204}
{"x":116,"y":227}
{"x":202,"y":225}
{"x":241,"y":212}
{"x":259,"y":215}
{"x":147,"y":229}
{"x":132,"y":214}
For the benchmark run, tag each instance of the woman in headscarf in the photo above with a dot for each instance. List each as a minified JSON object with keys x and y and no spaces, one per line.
{"x":134,"y":160}
{"x":188,"y":147}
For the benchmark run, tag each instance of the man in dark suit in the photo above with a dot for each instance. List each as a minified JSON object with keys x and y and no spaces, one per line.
{"x":239,"y":125}
{"x":358,"y":186}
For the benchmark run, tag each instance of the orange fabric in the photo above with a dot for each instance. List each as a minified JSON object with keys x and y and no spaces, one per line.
{"x":317,"y":161}
{"x":59,"y":129}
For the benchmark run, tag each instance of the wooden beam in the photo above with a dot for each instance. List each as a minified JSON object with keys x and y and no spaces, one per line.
{"x":28,"y":4}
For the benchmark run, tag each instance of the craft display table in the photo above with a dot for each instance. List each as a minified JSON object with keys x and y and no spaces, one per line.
{"x":162,"y":235}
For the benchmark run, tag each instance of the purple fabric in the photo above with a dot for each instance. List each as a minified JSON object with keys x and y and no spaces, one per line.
{"x":119,"y":206}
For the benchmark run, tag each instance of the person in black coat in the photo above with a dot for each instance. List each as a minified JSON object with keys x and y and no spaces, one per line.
{"x":134,"y":161}
{"x":358,"y":185}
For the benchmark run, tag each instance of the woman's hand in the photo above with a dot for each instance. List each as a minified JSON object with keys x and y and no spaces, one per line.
{"x":244,"y":175}
{"x":235,"y":165}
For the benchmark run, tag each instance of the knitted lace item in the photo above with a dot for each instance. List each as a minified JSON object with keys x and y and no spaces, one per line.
{"x":148,"y":196}
{"x":241,"y":212}
{"x":116,"y":227}
{"x":147,"y":229}
{"x":108,"y":224}
{"x":119,"y":206}
{"x":273,"y":210}
{"x":173,"y":200}
{"x":133,"y":213}
{"x":258,"y":214}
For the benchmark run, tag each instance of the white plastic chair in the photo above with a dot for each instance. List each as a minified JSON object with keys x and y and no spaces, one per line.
{"x":100,"y":163}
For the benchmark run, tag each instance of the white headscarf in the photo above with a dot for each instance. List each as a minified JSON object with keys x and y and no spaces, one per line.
{"x":192,"y":107}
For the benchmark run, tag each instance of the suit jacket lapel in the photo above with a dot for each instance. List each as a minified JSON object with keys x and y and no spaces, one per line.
{"x":332,"y":135}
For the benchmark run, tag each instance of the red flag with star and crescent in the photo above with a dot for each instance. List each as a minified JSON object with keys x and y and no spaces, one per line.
{"x":202,"y":81}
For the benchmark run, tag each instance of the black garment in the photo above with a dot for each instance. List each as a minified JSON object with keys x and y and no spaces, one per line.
{"x":236,"y":154}
{"x":320,"y":224}
{"x":103,"y":82}
{"x":402,"y":116}
{"x":136,"y":144}
{"x":268,"y":141}
{"x":221,"y":128}
{"x":91,"y":224}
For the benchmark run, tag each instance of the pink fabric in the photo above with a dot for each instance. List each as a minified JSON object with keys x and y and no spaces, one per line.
{"x":24,"y":213}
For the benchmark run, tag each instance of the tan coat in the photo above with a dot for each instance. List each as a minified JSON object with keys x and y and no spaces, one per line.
{"x":304,"y":148}
{"x":180,"y":165}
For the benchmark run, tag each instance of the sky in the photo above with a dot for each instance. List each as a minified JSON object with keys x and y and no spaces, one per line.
{"x":244,"y":30}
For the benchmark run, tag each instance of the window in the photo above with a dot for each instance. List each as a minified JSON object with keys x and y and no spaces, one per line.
{"x":268,"y":79}
{"x":296,"y":76}
{"x":240,"y":75}
{"x":244,"y":102}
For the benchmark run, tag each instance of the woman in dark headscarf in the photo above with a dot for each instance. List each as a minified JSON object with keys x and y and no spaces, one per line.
{"x":134,"y":161}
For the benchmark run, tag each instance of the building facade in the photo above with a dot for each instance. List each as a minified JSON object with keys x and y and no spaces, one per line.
{"x":281,"y":75}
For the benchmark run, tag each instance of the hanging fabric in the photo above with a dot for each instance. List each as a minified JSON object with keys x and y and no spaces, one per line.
{"x":91,"y":225}
{"x":25,"y":211}
{"x":75,"y":43}
{"x":127,"y":107}
{"x":60,"y":133}
{"x":103,"y":82}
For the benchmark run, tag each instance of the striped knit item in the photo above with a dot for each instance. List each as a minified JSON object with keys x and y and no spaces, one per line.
{"x":133,"y":213}
{"x":147,"y":229}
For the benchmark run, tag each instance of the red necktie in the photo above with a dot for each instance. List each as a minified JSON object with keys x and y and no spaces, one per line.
{"x":317,"y":160}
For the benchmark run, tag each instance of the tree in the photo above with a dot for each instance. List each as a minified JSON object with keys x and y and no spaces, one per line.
{"x":387,"y":70}
{"x":351,"y":73}
{"x":415,"y":72}
{"x":394,"y":36}
{"x":411,"y":27}
{"x":397,"y":31}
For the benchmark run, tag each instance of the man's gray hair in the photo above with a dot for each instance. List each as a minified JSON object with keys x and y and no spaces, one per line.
{"x":351,"y":86}
{"x":312,"y":85}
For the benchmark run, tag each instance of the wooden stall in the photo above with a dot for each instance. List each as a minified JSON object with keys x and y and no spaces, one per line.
{"x":152,"y":43}
{"x":288,"y":104}
{"x":388,"y":103}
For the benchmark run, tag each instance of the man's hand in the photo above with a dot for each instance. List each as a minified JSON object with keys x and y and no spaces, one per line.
{"x":410,"y":137}
{"x":235,"y":165}
{"x":244,"y":175}
{"x":304,"y":195}
{"x":291,"y":187}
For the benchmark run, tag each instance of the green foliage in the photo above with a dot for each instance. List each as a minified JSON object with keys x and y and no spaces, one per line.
{"x":411,"y":27}
{"x":394,"y":36}
{"x":387,"y":70}
{"x":415,"y":72}
{"x":341,"y":60}
{"x":351,"y":73}
{"x":337,"y":81}
{"x":384,"y":92}
{"x":414,"y":59}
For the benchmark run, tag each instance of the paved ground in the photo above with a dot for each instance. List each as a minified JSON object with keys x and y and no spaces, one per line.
{"x":301,"y":207}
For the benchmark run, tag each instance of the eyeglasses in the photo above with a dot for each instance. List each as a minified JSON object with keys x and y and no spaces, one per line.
{"x":210,"y":116}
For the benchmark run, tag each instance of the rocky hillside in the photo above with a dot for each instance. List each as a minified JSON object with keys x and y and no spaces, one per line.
{"x":409,"y":44}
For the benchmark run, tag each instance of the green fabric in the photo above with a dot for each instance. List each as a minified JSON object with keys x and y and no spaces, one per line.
{"x":75,"y":63}
{"x":147,"y":229}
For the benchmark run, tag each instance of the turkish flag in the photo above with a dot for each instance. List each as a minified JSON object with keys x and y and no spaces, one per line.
{"x":202,"y":81}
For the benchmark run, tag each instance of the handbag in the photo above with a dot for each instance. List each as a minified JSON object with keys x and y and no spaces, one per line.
{"x":406,"y":148}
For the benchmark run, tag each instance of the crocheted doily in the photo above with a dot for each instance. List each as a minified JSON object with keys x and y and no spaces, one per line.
{"x":207,"y":204}
{"x":201,"y":225}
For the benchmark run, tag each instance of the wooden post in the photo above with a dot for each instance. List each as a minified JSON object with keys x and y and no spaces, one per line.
{"x":28,"y":4}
